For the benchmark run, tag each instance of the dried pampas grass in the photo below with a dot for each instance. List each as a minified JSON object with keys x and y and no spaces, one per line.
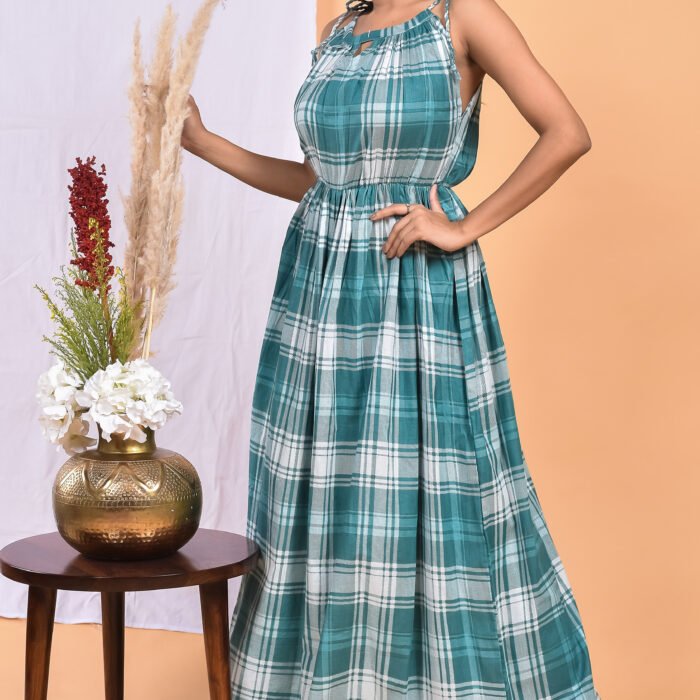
{"x":136,"y":204}
{"x":153,"y":209}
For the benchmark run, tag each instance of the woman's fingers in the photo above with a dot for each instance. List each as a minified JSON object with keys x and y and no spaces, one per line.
{"x":434,"y":199}
{"x":397,"y":229}
{"x":397,"y":209}
{"x":401,"y":208}
{"x":192,"y":128}
{"x":402,"y":240}
{"x":193,"y":108}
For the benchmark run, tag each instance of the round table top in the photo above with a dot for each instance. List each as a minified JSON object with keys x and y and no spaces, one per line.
{"x":48,"y":560}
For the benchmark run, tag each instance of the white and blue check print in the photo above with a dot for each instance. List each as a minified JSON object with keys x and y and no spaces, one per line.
{"x":404,"y":549}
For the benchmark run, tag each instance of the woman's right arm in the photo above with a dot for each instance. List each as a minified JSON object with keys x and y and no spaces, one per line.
{"x":284,"y":178}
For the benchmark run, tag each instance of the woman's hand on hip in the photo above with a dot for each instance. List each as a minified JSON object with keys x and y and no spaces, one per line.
{"x":422,"y":224}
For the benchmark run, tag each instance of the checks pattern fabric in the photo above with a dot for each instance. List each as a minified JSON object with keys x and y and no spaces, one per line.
{"x":404,"y":550}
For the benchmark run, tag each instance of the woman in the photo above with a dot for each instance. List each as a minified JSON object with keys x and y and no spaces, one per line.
{"x":404,"y":549}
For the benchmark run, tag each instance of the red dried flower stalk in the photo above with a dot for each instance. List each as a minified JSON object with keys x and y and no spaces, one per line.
{"x":92,"y":224}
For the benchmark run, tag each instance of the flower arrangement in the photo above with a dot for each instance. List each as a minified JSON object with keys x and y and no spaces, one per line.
{"x":97,"y":330}
{"x":100,"y":332}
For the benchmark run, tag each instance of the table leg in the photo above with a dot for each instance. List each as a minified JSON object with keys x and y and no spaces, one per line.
{"x":41,"y":606}
{"x":214,"y":602}
{"x":113,"y":643}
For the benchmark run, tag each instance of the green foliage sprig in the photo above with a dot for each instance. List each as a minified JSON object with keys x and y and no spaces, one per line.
{"x":80,"y":337}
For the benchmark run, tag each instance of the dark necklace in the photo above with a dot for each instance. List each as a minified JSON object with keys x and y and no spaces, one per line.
{"x":361,"y":6}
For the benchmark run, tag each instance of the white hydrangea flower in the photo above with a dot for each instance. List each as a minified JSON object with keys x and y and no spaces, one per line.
{"x":60,"y":413}
{"x":126,"y":398}
{"x":76,"y":438}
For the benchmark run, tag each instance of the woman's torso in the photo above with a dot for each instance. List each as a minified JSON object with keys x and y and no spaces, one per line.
{"x":391,"y":112}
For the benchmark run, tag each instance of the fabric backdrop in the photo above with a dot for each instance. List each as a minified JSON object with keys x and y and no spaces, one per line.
{"x":65,"y":71}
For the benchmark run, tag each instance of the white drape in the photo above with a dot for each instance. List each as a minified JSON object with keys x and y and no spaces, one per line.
{"x":64,"y":70}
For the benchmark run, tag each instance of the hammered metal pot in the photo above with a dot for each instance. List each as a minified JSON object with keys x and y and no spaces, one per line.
{"x":127,"y":500}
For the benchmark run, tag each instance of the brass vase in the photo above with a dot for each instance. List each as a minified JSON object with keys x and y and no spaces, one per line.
{"x":126,"y":499}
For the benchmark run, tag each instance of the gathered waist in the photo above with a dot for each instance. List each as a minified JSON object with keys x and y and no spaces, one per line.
{"x":369,"y":192}
{"x":363,"y":198}
{"x":378,"y":184}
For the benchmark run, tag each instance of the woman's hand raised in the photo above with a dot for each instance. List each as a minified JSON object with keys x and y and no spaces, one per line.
{"x":193,"y":129}
{"x":278,"y":176}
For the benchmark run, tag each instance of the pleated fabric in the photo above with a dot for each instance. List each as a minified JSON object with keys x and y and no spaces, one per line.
{"x":405,"y":553}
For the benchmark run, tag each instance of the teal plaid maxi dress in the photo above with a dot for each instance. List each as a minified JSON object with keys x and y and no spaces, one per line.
{"x":404,"y":550}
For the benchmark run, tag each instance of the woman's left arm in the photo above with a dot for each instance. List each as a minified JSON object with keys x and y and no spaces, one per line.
{"x":490,"y":39}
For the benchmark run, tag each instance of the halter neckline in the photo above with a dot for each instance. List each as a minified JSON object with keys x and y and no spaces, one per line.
{"x":355,"y":40}
{"x":391,"y":29}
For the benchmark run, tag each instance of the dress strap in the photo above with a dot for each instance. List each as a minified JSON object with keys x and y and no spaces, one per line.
{"x":316,"y":52}
{"x":447,"y":15}
{"x":446,"y":11}
{"x":337,"y":22}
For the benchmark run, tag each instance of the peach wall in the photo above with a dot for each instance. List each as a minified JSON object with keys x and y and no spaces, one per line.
{"x":159,"y":665}
{"x":597,"y":292}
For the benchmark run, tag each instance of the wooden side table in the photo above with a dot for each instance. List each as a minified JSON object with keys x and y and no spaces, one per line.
{"x":46,"y":563}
